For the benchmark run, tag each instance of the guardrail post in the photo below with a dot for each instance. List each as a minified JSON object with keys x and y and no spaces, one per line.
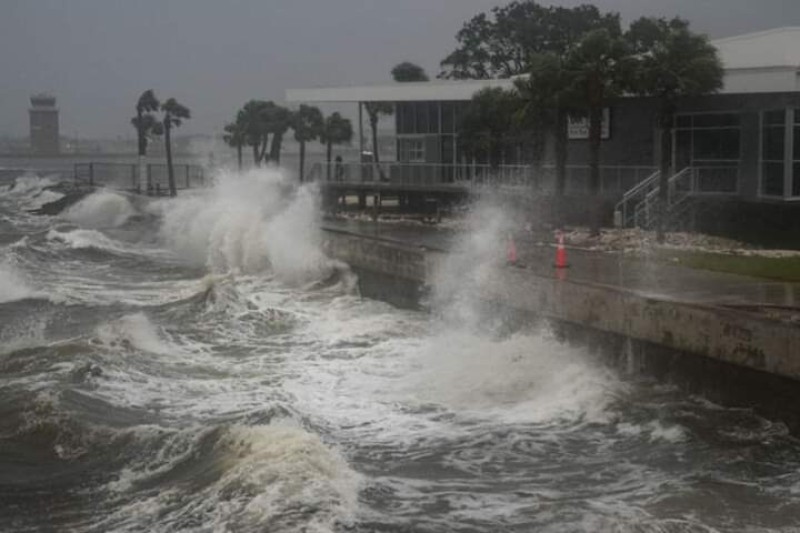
{"x":187,"y":176}
{"x":134,"y":184}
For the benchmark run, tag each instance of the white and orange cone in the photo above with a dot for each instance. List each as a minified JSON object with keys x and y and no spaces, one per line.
{"x":561,"y":252}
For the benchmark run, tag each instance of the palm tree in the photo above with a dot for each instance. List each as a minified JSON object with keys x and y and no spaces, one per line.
{"x":235,"y":136}
{"x":277,"y":121}
{"x":253,"y":123}
{"x":407,"y":71}
{"x":174,"y":115}
{"x":307,"y":123}
{"x":600,"y":64}
{"x":146,"y":125}
{"x":374,"y":111}
{"x":672,"y":62}
{"x":335,"y":130}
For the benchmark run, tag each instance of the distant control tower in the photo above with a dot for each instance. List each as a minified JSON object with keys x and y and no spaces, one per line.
{"x":44,"y":124}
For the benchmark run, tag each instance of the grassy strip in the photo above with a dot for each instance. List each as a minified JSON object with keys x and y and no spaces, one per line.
{"x":775,"y":268}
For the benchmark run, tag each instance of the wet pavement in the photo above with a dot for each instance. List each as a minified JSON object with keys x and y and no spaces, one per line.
{"x":648,"y":278}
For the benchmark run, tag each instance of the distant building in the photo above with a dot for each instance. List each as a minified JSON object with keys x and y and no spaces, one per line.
{"x":740,"y":147}
{"x":43,"y":115}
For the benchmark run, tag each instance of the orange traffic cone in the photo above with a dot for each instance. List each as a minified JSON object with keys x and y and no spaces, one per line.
{"x":561,"y":252}
{"x":511,"y":251}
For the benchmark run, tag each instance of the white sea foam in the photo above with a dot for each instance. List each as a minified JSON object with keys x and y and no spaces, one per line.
{"x":249,"y":222}
{"x":102,"y":209}
{"x":273,"y":477}
{"x":133,"y":331}
{"x":84,"y":239}
{"x":13,"y":284}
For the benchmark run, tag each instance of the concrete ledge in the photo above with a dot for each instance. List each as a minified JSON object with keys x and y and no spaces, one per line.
{"x":726,"y":335}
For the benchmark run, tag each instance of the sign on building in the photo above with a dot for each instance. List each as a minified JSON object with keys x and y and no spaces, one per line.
{"x":578,"y":127}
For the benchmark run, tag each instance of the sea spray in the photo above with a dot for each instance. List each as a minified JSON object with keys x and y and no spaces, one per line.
{"x":102,"y":209}
{"x":249,"y":222}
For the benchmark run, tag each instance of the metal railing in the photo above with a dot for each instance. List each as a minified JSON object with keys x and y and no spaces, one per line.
{"x":613,"y":179}
{"x":639,"y":205}
{"x":125,"y":176}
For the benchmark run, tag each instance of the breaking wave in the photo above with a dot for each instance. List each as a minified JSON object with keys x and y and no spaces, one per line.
{"x":250,"y":223}
{"x":102,"y":209}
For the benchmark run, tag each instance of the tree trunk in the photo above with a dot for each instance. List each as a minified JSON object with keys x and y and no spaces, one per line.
{"x":595,"y":131}
{"x":263,"y":151}
{"x":256,"y":160}
{"x":275,"y":148}
{"x":328,"y":152}
{"x":239,"y":156}
{"x":170,"y":171}
{"x":666,"y":118}
{"x":373,"y":124}
{"x":302,"y":161}
{"x":562,"y":141}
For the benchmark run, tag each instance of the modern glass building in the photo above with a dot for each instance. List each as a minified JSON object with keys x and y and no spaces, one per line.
{"x":743,"y":142}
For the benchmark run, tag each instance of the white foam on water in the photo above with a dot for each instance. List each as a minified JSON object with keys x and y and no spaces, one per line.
{"x":133,"y":331}
{"x":14,"y":285}
{"x":101,"y":209}
{"x":29,"y":185}
{"x":251,"y":222}
{"x":275,"y":477}
{"x":86,"y":239}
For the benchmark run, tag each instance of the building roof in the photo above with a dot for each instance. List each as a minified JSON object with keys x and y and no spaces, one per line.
{"x":779,"y":47}
{"x":761,"y":62}
{"x":406,"y":91}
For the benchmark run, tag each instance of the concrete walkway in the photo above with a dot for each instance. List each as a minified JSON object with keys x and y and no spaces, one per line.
{"x":653,"y":279}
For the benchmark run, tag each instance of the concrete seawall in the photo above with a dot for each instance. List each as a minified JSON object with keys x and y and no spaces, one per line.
{"x":758,"y":355}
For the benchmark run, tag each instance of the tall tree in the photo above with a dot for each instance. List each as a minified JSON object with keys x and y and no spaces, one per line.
{"x":173,"y":116}
{"x":672,"y":62}
{"x":253,"y":118}
{"x":336,"y":130}
{"x":487,"y":122}
{"x":374,"y":111}
{"x":307,"y":123}
{"x":235,"y":136}
{"x":600,"y":63}
{"x":548,"y":95}
{"x":277,"y":122}
{"x":407,"y":71}
{"x":146,"y":126}
{"x":500,"y":43}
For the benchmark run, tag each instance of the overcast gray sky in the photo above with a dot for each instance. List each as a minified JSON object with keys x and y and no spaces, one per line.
{"x":96,"y":56}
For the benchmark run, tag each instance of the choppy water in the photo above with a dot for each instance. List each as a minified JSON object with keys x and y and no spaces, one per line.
{"x":199,"y":365}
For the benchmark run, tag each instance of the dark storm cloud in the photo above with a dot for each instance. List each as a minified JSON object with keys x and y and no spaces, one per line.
{"x":98,"y":55}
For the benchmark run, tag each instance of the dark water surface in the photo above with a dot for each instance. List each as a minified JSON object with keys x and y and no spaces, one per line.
{"x":199,"y":365}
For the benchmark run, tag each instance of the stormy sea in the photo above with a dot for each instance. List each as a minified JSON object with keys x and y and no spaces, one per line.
{"x":200,"y":364}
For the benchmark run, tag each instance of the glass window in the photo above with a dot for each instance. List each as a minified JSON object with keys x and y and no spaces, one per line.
{"x":448,"y":124}
{"x":716,"y":144}
{"x":796,"y":180}
{"x":773,"y":152}
{"x":775,"y":117}
{"x":433,"y":117}
{"x":715,"y":120}
{"x":411,"y":150}
{"x":421,"y":113}
{"x":773,"y":143}
{"x":405,"y":117}
{"x":772,"y":179}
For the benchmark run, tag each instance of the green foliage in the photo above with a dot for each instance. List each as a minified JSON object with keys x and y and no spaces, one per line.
{"x":145,"y":122}
{"x":500,"y":44}
{"x":671,"y":61}
{"x":487,"y":122}
{"x":336,"y":130}
{"x":407,"y":71}
{"x":174,"y":113}
{"x":307,"y":123}
{"x":259,"y":120}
